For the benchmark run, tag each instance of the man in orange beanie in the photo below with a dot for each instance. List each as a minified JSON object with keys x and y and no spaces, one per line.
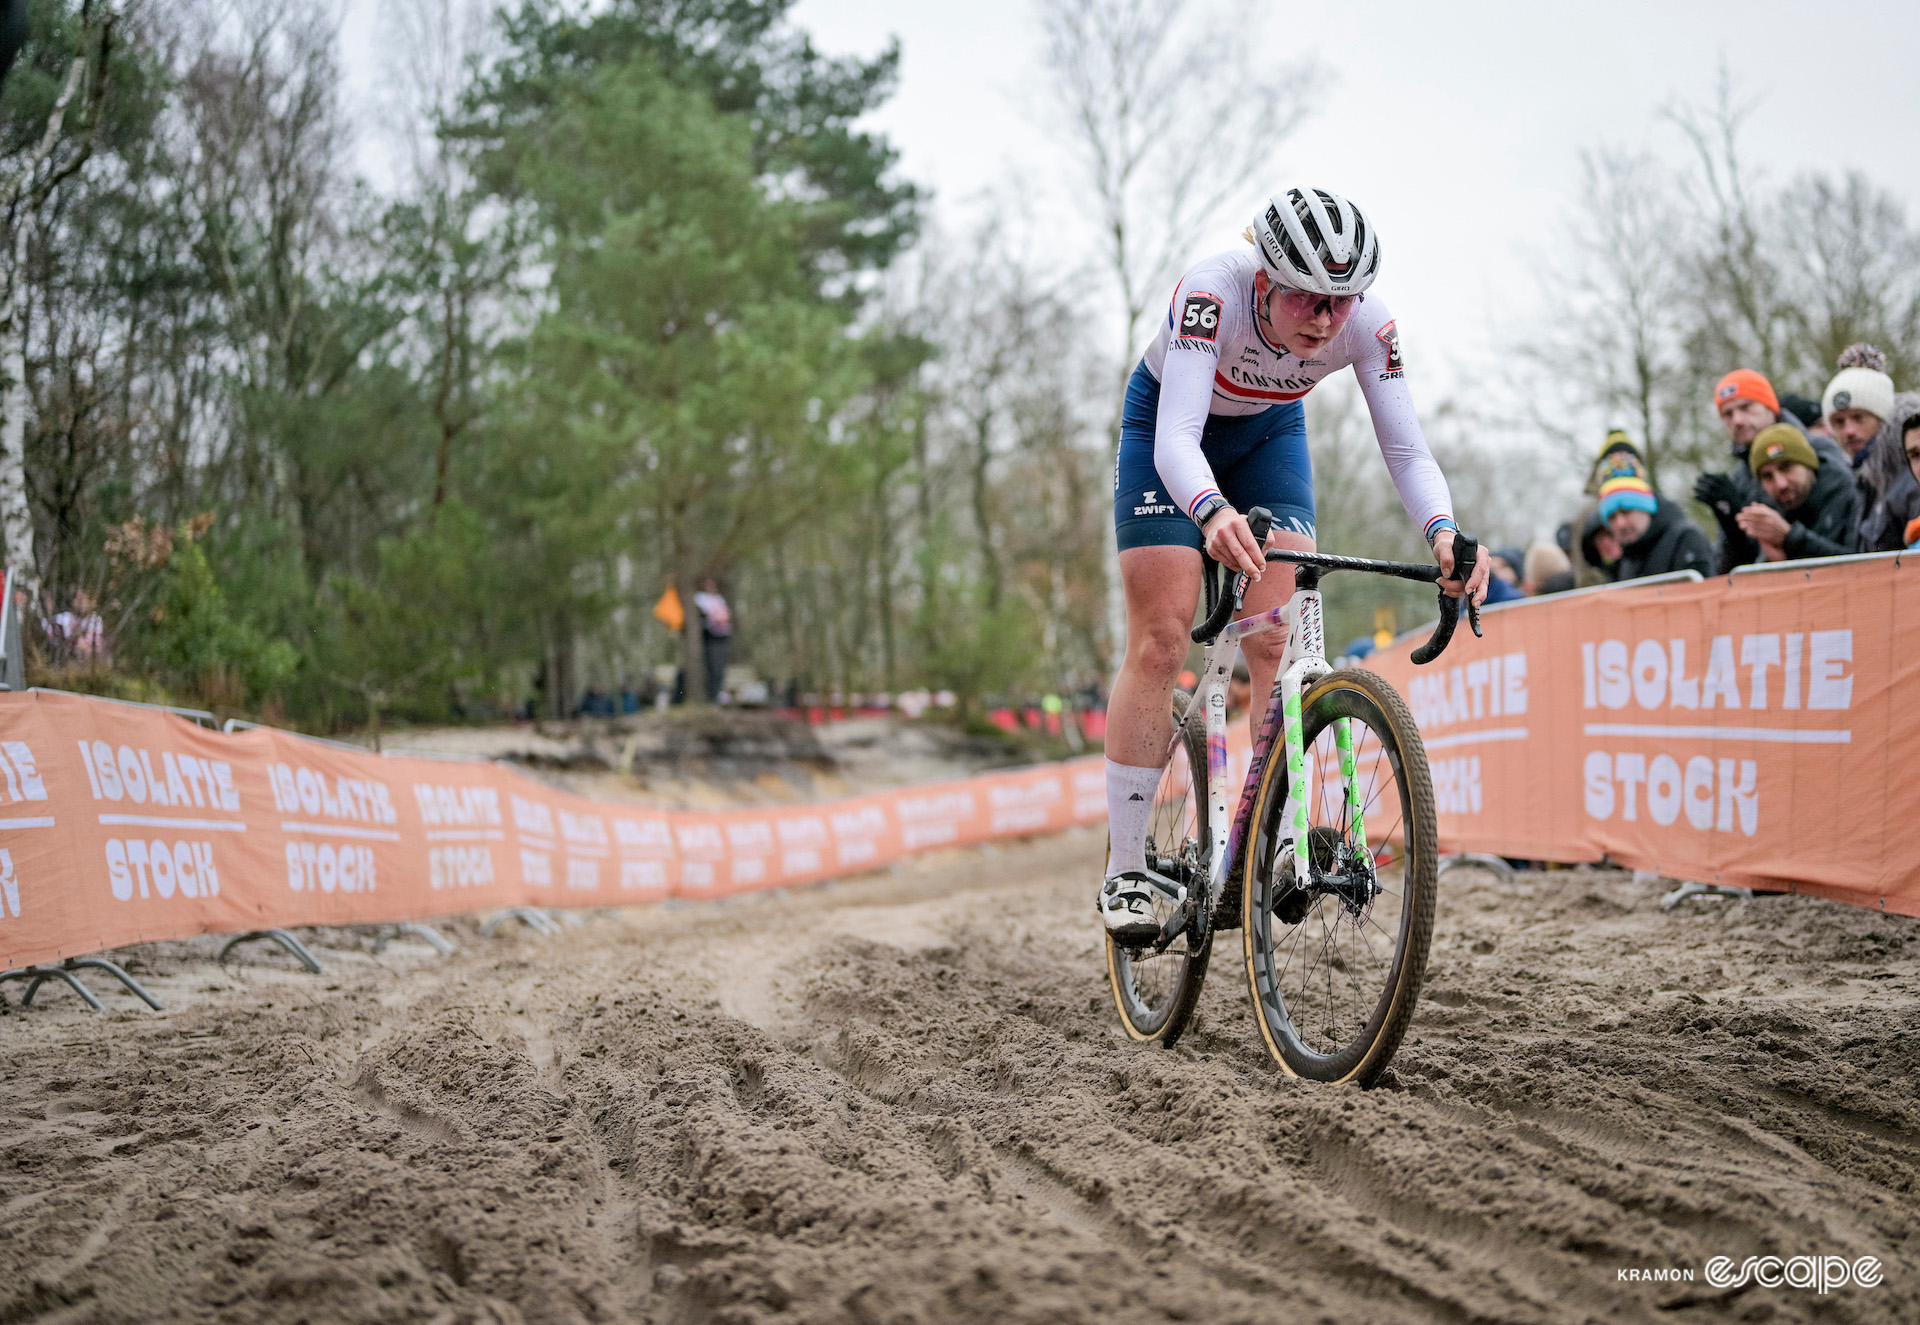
{"x":1746,"y":404}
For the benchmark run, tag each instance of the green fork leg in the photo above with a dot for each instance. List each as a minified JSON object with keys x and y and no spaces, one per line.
{"x":1296,"y":807}
{"x":1356,"y":813}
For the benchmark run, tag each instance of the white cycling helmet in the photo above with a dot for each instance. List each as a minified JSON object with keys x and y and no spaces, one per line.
{"x":1310,"y":239}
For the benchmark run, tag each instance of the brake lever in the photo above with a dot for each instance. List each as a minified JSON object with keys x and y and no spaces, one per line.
{"x":1259,"y":523}
{"x":1466,"y":552}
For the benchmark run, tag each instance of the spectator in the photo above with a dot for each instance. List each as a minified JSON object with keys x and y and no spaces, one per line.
{"x":1599,"y":551}
{"x":716,"y":635}
{"x":1503,"y":581}
{"x":1655,"y":535}
{"x":1858,"y":405}
{"x":1806,"y":412}
{"x":1814,"y":510}
{"x":1597,"y":557}
{"x":1882,"y":524}
{"x":1547,"y":570}
{"x":1910,"y":446}
{"x":1746,"y":404}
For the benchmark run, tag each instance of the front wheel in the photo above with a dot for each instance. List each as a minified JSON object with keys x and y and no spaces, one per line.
{"x":1335,"y":959}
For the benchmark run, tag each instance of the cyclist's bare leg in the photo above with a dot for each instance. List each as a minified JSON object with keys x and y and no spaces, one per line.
{"x":1264,"y":651}
{"x":1163,"y":588}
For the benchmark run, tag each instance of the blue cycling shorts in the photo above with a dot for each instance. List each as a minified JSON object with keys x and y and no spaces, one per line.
{"x":1258,"y":460}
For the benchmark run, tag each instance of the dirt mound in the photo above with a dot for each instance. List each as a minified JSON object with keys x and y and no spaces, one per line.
{"x":713,"y":758}
{"x":906,"y":1099}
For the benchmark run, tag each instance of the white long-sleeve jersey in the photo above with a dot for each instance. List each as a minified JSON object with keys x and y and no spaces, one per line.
{"x":1212,"y":358}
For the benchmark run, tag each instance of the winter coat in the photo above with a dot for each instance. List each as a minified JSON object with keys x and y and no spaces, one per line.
{"x":1882,"y":531}
{"x":1889,"y":496}
{"x":1827,"y":524}
{"x":1588,"y":569}
{"x":1734,"y":547}
{"x":1672,"y":542}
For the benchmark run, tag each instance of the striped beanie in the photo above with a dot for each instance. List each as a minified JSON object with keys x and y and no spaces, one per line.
{"x":1626,"y":492}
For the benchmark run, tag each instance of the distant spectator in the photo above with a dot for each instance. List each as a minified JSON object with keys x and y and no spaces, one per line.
{"x":1858,"y":405}
{"x":1807,"y":412}
{"x":1599,"y":551}
{"x":716,"y":635}
{"x":1814,"y":510}
{"x":80,"y":629}
{"x":1746,"y":404}
{"x":1503,"y":583}
{"x":1882,"y":524}
{"x":1655,"y":535}
{"x":1547,"y":570}
{"x":1595,"y":553}
{"x":1910,"y":446}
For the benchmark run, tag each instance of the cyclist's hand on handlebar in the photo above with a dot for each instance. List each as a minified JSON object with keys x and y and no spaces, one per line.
{"x":1233,"y":545}
{"x":1477,"y":586}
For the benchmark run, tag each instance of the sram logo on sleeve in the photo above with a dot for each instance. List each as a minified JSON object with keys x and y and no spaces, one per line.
{"x":1200,"y":318}
{"x":1390,"y":337}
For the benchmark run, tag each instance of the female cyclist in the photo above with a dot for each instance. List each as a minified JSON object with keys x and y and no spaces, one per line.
{"x":1213,"y":426}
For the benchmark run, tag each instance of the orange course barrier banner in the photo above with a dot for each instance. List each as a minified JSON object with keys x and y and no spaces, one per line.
{"x":1760,"y":729}
{"x":120,"y":824}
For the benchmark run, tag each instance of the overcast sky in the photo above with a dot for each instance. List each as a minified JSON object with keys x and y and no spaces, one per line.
{"x":1457,"y":126}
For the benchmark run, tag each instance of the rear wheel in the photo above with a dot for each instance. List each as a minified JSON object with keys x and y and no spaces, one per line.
{"x":1155,"y":993}
{"x":1336,"y":960}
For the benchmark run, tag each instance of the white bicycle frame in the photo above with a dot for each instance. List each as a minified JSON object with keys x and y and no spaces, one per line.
{"x":1303,"y":664}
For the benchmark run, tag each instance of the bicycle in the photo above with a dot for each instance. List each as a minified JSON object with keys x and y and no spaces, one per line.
{"x":1315,"y":860}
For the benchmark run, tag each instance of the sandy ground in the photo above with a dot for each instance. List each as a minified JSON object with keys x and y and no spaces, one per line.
{"x":905,"y":1099}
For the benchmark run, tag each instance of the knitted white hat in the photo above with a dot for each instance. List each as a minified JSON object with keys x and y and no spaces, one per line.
{"x":1861,"y":383}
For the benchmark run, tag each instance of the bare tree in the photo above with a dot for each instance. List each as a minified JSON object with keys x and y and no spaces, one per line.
{"x":1171,"y":122}
{"x":1614,"y":352}
{"x":1853,"y":268}
{"x":1740,"y":282}
{"x":52,"y":161}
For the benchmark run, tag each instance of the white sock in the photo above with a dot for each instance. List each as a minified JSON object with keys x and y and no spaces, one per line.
{"x":1130,"y":793}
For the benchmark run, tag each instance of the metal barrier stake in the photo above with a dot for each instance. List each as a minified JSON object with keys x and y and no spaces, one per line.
{"x":425,"y":933}
{"x":1480,"y":860}
{"x":529,"y":916}
{"x":1686,"y":890}
{"x":284,"y":939}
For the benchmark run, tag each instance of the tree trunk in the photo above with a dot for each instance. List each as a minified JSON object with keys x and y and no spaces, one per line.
{"x":16,"y":518}
{"x":883,"y":531}
{"x":982,"y":518}
{"x":693,"y":661}
{"x":25,"y":200}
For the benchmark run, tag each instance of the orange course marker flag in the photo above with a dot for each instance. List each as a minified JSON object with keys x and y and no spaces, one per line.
{"x":669,"y":610}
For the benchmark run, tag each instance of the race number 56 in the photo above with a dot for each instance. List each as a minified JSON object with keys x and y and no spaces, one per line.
{"x":1201,"y":318}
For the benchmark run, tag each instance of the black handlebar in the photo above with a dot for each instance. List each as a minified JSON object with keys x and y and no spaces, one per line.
{"x":1259,"y":524}
{"x":1259,"y":521}
{"x":1465,"y":553}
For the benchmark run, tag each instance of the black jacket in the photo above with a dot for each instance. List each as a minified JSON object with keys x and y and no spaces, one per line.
{"x":1672,"y":542}
{"x":1886,"y":529}
{"x":1827,"y":524}
{"x":1735,"y":548}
